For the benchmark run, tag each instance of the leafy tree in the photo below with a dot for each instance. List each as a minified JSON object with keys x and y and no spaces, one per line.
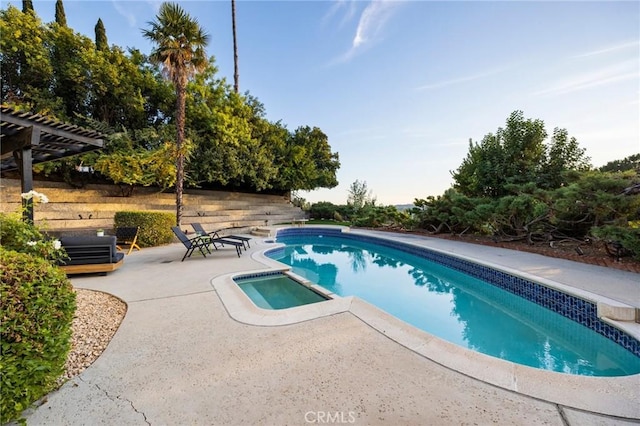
{"x":360,"y":195}
{"x":307,"y":161}
{"x":517,"y":154}
{"x":230,"y":135}
{"x":180,"y":43}
{"x":139,"y":167}
{"x":52,"y":70}
{"x":323,"y":210}
{"x":513,"y":155}
{"x":631,"y":162}
{"x":71,"y":70}
{"x":101,"y":36}
{"x":25,"y":67}
{"x":562,"y":154}
{"x":61,"y":17}
{"x":115,"y":89}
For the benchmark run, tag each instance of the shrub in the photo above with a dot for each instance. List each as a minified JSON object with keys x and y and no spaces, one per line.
{"x":37,"y":308}
{"x":155,"y":227}
{"x":627,"y":237}
{"x":322,"y":210}
{"x":17,"y":235}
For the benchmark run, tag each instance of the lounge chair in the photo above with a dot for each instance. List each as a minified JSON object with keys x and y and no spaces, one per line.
{"x":191,"y":244}
{"x":214,"y":234}
{"x":214,"y":241}
{"x":127,"y":235}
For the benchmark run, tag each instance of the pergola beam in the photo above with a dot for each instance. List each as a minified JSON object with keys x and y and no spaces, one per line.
{"x":27,"y":138}
{"x":62,"y":132}
{"x":19,"y":140}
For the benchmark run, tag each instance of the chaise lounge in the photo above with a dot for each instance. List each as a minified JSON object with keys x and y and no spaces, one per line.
{"x":214,"y":234}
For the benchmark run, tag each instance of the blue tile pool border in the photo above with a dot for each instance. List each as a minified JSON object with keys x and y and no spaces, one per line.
{"x":577,"y":309}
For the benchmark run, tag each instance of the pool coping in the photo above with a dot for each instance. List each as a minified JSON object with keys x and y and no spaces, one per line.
{"x":612,"y":396}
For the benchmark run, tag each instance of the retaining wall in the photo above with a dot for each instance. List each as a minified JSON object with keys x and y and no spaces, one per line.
{"x":94,"y":206}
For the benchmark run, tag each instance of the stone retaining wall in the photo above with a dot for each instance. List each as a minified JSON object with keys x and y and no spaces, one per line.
{"x":94,"y":206}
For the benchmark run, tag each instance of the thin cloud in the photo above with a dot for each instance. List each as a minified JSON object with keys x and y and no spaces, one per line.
{"x":619,"y":72}
{"x":371,"y":23}
{"x":372,"y":20}
{"x":349,"y":6}
{"x":609,"y":49}
{"x":458,"y":80}
{"x":126,"y":12}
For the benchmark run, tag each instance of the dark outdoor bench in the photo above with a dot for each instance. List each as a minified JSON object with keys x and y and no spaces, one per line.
{"x":87,"y":255}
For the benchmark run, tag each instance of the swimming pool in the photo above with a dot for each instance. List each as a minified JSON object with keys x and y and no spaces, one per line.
{"x":467,"y":304}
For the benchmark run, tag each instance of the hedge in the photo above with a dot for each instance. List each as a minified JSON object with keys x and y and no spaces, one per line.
{"x":155,"y":227}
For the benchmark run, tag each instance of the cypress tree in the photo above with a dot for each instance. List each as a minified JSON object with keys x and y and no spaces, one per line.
{"x":61,"y":18}
{"x":27,"y":6}
{"x":101,"y":36}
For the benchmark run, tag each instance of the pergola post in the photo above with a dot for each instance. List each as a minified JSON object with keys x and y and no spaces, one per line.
{"x":28,"y":136}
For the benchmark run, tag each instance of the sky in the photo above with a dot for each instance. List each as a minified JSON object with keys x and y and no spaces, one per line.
{"x":401,"y":87}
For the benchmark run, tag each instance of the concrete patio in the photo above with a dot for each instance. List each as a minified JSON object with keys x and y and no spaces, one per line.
{"x":190,"y":350}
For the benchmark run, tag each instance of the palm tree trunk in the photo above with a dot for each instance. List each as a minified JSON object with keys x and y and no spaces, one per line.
{"x":236,"y":76}
{"x":180,"y":119}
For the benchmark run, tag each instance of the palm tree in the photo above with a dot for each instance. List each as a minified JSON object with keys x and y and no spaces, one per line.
{"x":180,"y":44}
{"x":236,"y":76}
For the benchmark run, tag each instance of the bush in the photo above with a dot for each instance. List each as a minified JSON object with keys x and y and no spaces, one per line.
{"x":155,"y":227}
{"x":627,"y":237}
{"x":323,"y":210}
{"x":17,"y":235}
{"x":37,"y":308}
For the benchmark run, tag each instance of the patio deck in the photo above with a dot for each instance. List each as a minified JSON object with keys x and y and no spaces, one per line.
{"x":182,"y":356}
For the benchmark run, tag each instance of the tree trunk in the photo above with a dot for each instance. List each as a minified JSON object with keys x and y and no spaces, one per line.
{"x":180,"y":118}
{"x":236,"y":76}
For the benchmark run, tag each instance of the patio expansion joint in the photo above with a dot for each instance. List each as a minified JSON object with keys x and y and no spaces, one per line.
{"x":173,"y":296}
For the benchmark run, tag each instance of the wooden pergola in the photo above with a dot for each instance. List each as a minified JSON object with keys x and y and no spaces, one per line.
{"x":27,"y":139}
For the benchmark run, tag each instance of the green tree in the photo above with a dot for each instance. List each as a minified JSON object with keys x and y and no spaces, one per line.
{"x":517,"y":155}
{"x":631,"y":162}
{"x":307,"y":161}
{"x":70,"y":58}
{"x":180,"y":44}
{"x":25,"y":67}
{"x":101,"y":36}
{"x":360,"y":195}
{"x":61,"y":17}
{"x":115,"y":89}
{"x":229,"y":135}
{"x":27,"y":6}
{"x":562,"y":154}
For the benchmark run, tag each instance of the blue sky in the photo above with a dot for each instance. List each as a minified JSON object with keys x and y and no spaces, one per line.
{"x":400,"y":87}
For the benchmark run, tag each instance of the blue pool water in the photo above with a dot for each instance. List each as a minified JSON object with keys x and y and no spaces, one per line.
{"x":277,"y":291}
{"x":455,"y":306}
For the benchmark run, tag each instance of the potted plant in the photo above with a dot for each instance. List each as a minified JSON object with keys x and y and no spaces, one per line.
{"x":100,"y":232}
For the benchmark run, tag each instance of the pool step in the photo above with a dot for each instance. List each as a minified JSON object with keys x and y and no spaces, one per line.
{"x":261,"y":232}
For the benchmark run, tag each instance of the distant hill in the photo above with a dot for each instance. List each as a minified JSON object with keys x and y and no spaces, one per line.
{"x":402,"y":207}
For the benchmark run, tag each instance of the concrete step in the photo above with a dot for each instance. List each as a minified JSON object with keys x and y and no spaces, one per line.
{"x":262,"y":232}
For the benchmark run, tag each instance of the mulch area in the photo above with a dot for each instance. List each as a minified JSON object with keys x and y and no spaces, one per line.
{"x":593,"y":254}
